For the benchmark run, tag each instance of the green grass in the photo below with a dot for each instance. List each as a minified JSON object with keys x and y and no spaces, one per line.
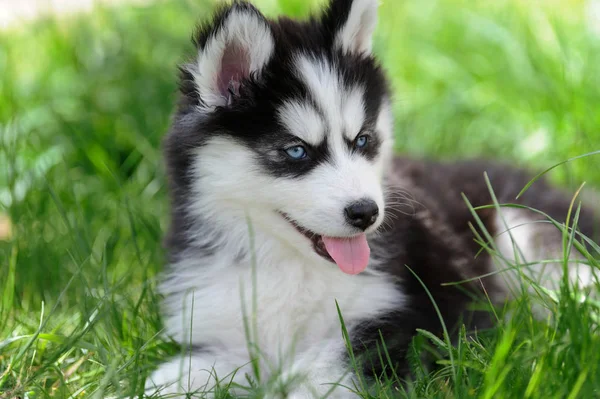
{"x":84,"y":102}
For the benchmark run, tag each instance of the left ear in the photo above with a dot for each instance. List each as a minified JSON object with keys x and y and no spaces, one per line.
{"x":237,"y":44}
{"x":352,"y":23}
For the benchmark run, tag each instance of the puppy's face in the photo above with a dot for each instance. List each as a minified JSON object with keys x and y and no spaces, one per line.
{"x":289,"y":122}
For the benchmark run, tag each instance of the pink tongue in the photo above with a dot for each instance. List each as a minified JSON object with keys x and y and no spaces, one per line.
{"x":351,"y":254}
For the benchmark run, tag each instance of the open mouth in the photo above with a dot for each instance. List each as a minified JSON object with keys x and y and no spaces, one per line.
{"x":316,"y":239}
{"x":351,"y":254}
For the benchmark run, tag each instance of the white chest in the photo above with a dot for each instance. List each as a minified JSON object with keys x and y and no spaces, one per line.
{"x":283,"y":304}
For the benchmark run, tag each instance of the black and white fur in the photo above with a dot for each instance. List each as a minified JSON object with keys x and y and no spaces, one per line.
{"x":257,"y":87}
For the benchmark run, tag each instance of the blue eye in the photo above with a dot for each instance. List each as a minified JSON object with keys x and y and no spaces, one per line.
{"x":296,"y":152}
{"x":361,"y":141}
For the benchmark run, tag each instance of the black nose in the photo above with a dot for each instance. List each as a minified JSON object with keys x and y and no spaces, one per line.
{"x":362,"y":213}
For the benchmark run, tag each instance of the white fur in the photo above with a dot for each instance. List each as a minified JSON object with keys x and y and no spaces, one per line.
{"x":303,"y":121}
{"x":298,"y":328}
{"x":528,"y":242}
{"x":242,"y":29}
{"x":312,"y":375}
{"x":356,"y":34}
{"x":325,"y":87}
{"x":353,"y":112}
{"x":344,"y":110}
{"x":343,"y":107}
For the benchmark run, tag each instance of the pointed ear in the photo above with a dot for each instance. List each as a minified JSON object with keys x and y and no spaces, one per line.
{"x":237,"y":44}
{"x":352,"y":23}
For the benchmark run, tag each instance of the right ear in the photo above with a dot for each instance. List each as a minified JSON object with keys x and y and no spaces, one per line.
{"x":238,"y":43}
{"x":352,"y":23}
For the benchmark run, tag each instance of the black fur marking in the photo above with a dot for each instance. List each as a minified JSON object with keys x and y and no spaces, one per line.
{"x":370,"y":150}
{"x":334,"y":19}
{"x":278,"y":164}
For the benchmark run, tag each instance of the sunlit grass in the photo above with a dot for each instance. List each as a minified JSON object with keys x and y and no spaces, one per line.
{"x":85,"y":101}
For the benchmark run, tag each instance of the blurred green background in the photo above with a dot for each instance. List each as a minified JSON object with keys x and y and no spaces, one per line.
{"x":85,"y":100}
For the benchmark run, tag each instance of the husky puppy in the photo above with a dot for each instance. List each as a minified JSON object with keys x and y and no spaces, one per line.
{"x":289,"y":209}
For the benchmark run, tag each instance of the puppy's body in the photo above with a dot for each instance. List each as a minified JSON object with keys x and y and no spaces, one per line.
{"x":280,"y":168}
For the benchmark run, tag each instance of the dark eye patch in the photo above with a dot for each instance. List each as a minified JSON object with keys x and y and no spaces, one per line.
{"x":271,"y":155}
{"x":370,"y":150}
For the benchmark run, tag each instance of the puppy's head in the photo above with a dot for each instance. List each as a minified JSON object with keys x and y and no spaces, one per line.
{"x":288,"y":122}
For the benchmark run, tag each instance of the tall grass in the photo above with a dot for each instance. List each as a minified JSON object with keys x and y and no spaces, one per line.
{"x":84,"y":102}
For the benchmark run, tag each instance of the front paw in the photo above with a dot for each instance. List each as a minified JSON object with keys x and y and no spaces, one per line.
{"x":178,"y":380}
{"x":190,"y":377}
{"x":312,"y":385}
